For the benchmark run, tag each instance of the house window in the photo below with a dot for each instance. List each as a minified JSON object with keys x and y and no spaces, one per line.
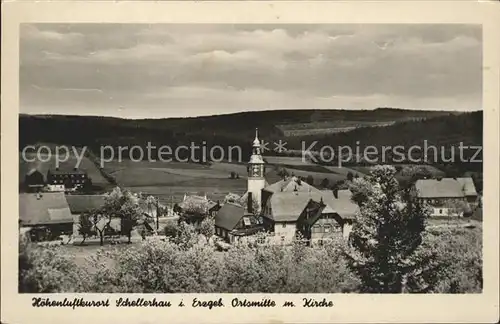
{"x":440,"y":211}
{"x":284,"y":225}
{"x":327,"y":228}
{"x":283,"y":239}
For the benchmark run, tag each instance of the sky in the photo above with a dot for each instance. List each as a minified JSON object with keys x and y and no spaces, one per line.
{"x":184,"y":70}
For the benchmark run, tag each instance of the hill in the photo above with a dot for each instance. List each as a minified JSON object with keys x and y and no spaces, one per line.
{"x":231,"y":129}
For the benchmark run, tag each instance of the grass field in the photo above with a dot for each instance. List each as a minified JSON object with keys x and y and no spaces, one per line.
{"x":287,"y":160}
{"x":328,"y":127}
{"x":169,"y":181}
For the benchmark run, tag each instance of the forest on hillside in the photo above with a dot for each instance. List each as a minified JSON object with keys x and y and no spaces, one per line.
{"x":442,"y":129}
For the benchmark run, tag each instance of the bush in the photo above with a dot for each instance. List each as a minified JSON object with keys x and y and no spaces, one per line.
{"x":186,"y":264}
{"x":459,"y":251}
{"x":46,"y":270}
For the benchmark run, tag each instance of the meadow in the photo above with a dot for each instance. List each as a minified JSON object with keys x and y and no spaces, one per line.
{"x":49,"y":162}
{"x":170,"y":181}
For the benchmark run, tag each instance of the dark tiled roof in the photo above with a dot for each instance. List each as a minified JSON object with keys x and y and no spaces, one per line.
{"x":82,"y":203}
{"x":32,"y":171}
{"x":229,"y":216}
{"x":445,"y":188}
{"x":49,"y":208}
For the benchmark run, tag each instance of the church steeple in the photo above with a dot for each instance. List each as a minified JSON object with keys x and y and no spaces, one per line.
{"x":256,"y":143}
{"x":256,"y":171}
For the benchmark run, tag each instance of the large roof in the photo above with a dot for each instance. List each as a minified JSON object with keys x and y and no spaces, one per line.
{"x":342,"y":205}
{"x":44,"y":209}
{"x":229,"y":216}
{"x":468,"y":186}
{"x":290,"y":197}
{"x":83,"y":203}
{"x":287,"y":206}
{"x":291,"y":184}
{"x":67,"y":171}
{"x":445,"y":188}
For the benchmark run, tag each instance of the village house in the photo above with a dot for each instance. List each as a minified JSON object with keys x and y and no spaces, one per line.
{"x":286,"y":207}
{"x":199,"y":204}
{"x":61,"y":180}
{"x":45,"y":215}
{"x":234,"y":224}
{"x":448,"y":196}
{"x":80,"y":204}
{"x":34,"y":181}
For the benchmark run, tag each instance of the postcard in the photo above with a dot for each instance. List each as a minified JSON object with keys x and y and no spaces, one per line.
{"x":250,"y":162}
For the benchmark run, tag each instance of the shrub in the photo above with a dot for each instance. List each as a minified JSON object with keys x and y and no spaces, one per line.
{"x":46,"y":270}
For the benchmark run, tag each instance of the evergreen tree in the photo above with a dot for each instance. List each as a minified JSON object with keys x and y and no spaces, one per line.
{"x":384,"y":243}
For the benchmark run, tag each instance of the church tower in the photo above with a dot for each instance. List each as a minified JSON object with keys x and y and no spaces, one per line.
{"x":256,"y":180}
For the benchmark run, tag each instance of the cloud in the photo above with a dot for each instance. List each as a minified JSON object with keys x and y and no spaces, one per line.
{"x":234,"y":67}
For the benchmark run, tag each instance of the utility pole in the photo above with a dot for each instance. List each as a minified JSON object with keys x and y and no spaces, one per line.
{"x":157,"y":213}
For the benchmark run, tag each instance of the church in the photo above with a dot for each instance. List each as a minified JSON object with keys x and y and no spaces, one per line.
{"x":286,"y":209}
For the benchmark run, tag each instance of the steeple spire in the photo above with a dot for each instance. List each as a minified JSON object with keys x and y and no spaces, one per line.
{"x":256,"y":142}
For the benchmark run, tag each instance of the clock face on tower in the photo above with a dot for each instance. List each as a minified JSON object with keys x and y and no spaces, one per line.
{"x":255,"y":171}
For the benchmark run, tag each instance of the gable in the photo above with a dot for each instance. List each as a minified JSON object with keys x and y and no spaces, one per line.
{"x":229,"y":216}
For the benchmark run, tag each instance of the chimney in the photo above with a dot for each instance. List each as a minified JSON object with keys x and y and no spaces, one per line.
{"x":75,"y":169}
{"x":57,"y":168}
{"x":336,"y":193}
{"x":249,"y":203}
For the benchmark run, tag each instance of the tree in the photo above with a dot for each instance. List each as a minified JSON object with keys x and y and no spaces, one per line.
{"x":255,"y":207}
{"x":194,"y":210}
{"x":84,"y":226}
{"x":186,"y":237}
{"x":282,"y":172}
{"x":386,"y":235}
{"x":124,"y":205}
{"x":130,"y":214}
{"x":171,"y":229}
{"x":325,"y":183}
{"x":207,"y":228}
{"x":349,"y":176}
{"x":232,"y":175}
{"x":47,"y":270}
{"x":310,"y":180}
{"x":100,"y":222}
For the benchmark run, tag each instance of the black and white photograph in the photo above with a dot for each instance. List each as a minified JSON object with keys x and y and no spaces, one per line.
{"x":250,"y":158}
